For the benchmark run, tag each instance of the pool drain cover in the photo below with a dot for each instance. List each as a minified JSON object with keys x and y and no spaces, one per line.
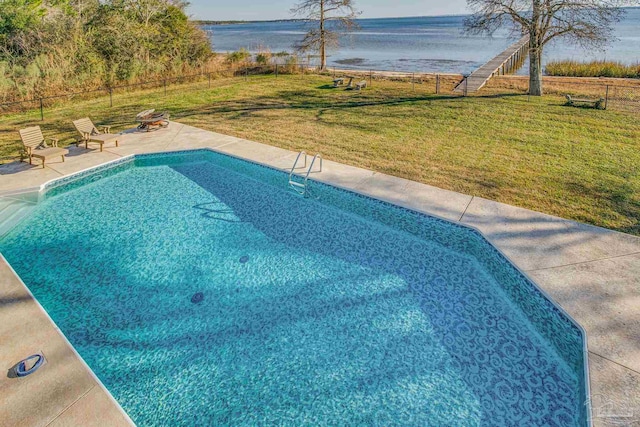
{"x":244,"y":258}
{"x":197,"y":297}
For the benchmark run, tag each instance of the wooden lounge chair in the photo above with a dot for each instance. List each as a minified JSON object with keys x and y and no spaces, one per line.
{"x":35,"y":145}
{"x":90,"y":133}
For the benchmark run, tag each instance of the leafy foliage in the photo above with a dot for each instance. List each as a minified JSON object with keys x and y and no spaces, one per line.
{"x":241,"y":55}
{"x":70,"y":44}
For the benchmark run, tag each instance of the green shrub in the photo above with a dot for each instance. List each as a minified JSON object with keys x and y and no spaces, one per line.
{"x":238,"y":56}
{"x":263,"y":58}
{"x":66,"y":46}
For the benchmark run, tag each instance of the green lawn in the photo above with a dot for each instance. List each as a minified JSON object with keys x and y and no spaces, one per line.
{"x":536,"y":153}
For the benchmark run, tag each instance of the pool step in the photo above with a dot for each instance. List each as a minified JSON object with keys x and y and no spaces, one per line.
{"x":12,"y":212}
{"x":299,"y":182}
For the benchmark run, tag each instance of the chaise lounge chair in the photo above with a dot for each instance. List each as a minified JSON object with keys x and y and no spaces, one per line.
{"x":35,"y":145}
{"x":90,"y":133}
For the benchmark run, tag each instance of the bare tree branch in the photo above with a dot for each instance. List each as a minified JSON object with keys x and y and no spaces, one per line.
{"x":327,"y":18}
{"x":587,"y":23}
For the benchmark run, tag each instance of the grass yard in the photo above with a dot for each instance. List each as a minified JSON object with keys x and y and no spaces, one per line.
{"x":536,"y":153}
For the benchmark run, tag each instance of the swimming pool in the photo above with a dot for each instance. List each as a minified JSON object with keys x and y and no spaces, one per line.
{"x":201,"y":291}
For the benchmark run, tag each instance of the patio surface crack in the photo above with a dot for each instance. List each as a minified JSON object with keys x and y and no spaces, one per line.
{"x":70,"y":405}
{"x":613,"y":361}
{"x":584,"y":262}
{"x":465,"y":209}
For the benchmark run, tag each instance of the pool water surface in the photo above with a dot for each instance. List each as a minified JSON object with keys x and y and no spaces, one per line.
{"x":202,"y":291}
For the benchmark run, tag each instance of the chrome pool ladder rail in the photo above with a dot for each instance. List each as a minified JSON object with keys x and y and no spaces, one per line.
{"x":302,"y":186}
{"x":302,"y":154}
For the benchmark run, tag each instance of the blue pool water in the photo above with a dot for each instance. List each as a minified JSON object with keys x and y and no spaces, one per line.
{"x":201,"y":291}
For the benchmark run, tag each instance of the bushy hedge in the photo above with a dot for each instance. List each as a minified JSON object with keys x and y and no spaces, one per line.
{"x":70,"y":45}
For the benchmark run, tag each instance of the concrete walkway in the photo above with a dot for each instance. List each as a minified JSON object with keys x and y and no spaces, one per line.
{"x":593,"y":273}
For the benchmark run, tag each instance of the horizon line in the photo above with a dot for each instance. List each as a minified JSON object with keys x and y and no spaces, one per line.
{"x":251,"y":21}
{"x":355,"y":19}
{"x":254,"y":21}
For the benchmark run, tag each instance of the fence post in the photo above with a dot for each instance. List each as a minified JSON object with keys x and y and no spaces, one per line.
{"x":437,"y":84}
{"x":606,"y":98}
{"x":41,"y":110}
{"x":466,"y":83}
{"x":110,"y":97}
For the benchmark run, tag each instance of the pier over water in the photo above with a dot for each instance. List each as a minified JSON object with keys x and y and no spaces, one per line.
{"x":505,"y":63}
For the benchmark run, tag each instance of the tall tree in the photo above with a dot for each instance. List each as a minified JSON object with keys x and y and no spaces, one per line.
{"x":584,"y":22}
{"x":331,"y":18}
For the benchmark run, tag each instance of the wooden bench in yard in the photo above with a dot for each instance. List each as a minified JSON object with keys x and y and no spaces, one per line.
{"x":597,"y":103}
{"x":361,"y":85}
{"x":338,"y":82}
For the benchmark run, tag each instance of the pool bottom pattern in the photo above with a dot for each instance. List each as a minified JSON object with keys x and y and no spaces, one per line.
{"x":305,"y":314}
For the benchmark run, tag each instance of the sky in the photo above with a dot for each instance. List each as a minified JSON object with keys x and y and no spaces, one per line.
{"x":249,"y":10}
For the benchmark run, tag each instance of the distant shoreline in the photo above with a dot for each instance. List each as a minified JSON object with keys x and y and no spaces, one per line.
{"x":265,"y":21}
{"x":208,"y":22}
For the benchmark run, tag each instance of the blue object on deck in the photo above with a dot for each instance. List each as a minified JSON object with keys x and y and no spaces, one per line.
{"x":21,"y":368}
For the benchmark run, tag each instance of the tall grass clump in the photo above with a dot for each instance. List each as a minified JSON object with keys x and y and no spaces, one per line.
{"x":593,"y":69}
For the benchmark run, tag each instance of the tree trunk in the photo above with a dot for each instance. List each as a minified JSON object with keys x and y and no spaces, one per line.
{"x":535,"y":71}
{"x":323,"y":41}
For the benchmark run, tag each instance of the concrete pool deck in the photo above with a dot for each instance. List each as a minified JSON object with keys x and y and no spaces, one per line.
{"x":593,"y":273}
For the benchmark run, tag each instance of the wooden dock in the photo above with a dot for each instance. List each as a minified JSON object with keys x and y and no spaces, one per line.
{"x":505,"y":63}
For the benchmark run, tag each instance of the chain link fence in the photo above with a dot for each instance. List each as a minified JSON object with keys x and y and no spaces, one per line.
{"x":623,"y":98}
{"x":420,"y":82}
{"x":618,"y":95}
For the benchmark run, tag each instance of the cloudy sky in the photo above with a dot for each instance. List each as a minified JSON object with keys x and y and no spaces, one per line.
{"x":279,"y":9}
